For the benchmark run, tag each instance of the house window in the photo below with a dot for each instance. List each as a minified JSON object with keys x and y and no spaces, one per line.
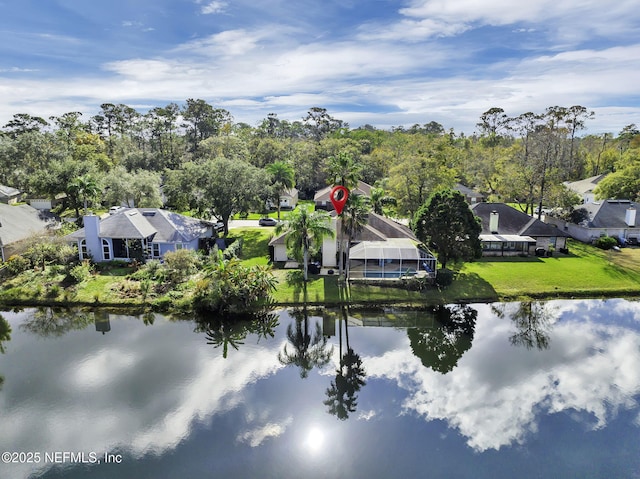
{"x":84,"y":253}
{"x":179,"y":246}
{"x":106,"y":250}
{"x":155,"y":250}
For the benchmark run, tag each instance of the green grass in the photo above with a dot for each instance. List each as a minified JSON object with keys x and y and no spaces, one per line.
{"x":255,"y":246}
{"x":586,"y":270}
{"x":99,"y":286}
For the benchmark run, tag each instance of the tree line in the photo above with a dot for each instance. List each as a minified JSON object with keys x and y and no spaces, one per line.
{"x":196,"y":157}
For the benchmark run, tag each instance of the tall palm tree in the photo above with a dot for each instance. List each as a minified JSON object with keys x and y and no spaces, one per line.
{"x":282,"y":178}
{"x":344,"y":170}
{"x":305,"y":230}
{"x":85,"y":187}
{"x":354,"y":219}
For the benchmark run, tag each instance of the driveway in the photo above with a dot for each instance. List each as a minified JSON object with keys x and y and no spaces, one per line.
{"x":243,"y":223}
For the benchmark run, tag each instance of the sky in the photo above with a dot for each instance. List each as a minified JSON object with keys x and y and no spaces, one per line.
{"x":379,"y":62}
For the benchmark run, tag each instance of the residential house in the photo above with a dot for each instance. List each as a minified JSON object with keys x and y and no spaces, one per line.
{"x":138,"y":233}
{"x":322,"y":198}
{"x":606,"y":218}
{"x":288,"y":199}
{"x":9,"y":195}
{"x":383,"y":249}
{"x":584,"y":188}
{"x":509,"y":232}
{"x":472,"y":197}
{"x":17,"y":223}
{"x":46,"y":203}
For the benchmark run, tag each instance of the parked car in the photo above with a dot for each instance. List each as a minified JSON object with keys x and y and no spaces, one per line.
{"x":218,"y":227}
{"x":267,"y":222}
{"x":115,"y":209}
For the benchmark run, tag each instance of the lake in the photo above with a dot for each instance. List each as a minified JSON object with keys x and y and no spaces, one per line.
{"x":527,"y":390}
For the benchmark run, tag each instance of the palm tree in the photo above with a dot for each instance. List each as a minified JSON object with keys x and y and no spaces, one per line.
{"x":380,"y":199}
{"x":354,"y":219}
{"x":305,"y":230}
{"x":282,"y":179}
{"x":344,"y":170}
{"x":84,"y":187}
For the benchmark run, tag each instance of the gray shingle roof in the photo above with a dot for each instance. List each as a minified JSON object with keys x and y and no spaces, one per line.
{"x":20,"y":222}
{"x":609,"y":213}
{"x":513,"y":222}
{"x":165,"y":226}
{"x":8,"y":191}
{"x":362,"y":189}
{"x":585,"y":186}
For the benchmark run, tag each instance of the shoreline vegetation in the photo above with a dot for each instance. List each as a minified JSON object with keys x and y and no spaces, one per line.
{"x":586,"y":272}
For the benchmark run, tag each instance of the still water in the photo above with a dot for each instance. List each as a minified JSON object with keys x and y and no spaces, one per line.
{"x":487,"y":390}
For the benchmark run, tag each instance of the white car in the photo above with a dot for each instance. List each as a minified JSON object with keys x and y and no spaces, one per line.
{"x":115,"y":209}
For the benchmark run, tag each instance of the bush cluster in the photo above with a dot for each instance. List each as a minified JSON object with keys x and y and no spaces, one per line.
{"x":606,"y":242}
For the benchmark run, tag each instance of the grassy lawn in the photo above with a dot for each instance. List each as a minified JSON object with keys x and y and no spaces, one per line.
{"x":255,"y":246}
{"x":584,"y":271}
{"x":99,"y":286}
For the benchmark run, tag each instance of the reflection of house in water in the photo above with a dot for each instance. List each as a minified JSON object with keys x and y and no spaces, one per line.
{"x":380,"y":317}
{"x":101,"y":320}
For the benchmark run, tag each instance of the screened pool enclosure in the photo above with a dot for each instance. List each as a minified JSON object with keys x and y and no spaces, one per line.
{"x":391,"y":259}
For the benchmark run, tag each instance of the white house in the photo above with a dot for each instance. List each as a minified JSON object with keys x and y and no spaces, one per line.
{"x":9,"y":195}
{"x":617,"y":218}
{"x":396,"y":249}
{"x":584,"y":188}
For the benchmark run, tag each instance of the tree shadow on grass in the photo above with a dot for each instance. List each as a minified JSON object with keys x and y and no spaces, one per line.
{"x":468,"y":287}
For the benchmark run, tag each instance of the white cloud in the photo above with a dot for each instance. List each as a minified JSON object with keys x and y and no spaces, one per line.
{"x":214,"y":7}
{"x":398,"y":73}
{"x":496,"y":400}
{"x":255,"y":437}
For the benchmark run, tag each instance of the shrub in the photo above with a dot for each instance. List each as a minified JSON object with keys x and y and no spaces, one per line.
{"x":42,"y":252}
{"x":81,"y":272}
{"x":16,"y":264}
{"x":153,"y":270}
{"x":606,"y":242}
{"x":54,"y":291}
{"x":181,"y":264}
{"x":234,"y":249}
{"x":444,"y":277}
{"x":229,"y":286}
{"x":66,"y":254}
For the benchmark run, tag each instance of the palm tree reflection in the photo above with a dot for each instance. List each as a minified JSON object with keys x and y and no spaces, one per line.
{"x":308,"y":350}
{"x":233,"y":329}
{"x":342,"y":393}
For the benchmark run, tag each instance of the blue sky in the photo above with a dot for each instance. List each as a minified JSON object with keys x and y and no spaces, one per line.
{"x":385,"y":63}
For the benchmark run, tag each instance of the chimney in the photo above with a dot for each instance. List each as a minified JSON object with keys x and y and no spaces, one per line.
{"x":630,"y":216}
{"x":92,"y":236}
{"x":493,"y":222}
